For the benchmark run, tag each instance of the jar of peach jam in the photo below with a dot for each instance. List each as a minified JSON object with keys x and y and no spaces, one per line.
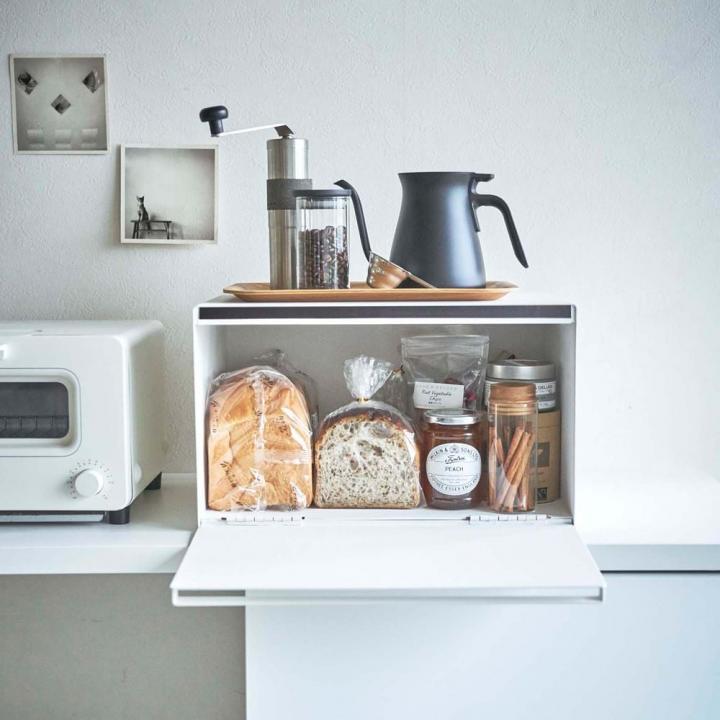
{"x":451,"y":459}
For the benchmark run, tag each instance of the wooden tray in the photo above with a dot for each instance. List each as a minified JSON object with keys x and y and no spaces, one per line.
{"x":360,"y":292}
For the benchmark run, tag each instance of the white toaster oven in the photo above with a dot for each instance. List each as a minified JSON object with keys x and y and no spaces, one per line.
{"x":81,"y":418}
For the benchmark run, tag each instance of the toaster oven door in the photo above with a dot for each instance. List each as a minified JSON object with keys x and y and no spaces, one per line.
{"x":39,"y":412}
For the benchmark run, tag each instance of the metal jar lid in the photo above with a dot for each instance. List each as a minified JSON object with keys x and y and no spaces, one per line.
{"x":520,"y":369}
{"x":322,"y":193}
{"x":451,"y":416}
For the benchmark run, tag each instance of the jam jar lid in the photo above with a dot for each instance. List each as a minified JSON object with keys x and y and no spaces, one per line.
{"x":452,"y":416}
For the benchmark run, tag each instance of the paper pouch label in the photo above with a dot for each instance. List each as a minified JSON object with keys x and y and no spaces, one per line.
{"x":427,"y":395}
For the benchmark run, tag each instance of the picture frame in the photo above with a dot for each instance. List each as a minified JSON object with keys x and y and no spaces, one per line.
{"x":178,"y":185}
{"x":59,"y":104}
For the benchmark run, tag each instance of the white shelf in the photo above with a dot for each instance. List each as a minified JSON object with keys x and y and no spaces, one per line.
{"x":554,"y":513}
{"x":630,"y":524}
{"x":161,"y":525}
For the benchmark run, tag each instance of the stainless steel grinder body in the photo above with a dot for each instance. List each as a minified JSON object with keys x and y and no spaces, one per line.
{"x":287,"y":172}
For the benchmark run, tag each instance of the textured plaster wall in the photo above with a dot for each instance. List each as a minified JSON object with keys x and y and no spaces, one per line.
{"x":601,"y":120}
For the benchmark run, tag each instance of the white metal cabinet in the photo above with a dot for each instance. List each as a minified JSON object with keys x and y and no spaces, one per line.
{"x":334,"y":556}
{"x":651,"y":651}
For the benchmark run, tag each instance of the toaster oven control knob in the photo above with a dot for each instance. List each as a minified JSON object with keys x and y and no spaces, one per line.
{"x":88,"y":483}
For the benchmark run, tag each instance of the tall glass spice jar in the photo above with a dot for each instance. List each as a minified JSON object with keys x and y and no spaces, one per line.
{"x":451,"y":460}
{"x":512,"y":432}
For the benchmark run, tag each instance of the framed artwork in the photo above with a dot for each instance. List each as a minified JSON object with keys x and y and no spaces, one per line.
{"x":168,"y":195}
{"x":59,"y":104}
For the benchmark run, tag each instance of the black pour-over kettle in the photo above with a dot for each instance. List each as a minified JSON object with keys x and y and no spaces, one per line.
{"x":436,"y":235}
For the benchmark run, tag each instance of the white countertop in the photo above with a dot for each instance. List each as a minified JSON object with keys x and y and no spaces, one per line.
{"x":154,"y":541}
{"x":652,"y":522}
{"x":630,"y":524}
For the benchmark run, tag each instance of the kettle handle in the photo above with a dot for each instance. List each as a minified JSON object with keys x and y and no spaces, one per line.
{"x":497,"y":202}
{"x":359,"y":216}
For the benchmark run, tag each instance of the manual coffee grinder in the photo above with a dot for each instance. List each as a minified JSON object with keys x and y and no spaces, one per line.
{"x":287,"y":159}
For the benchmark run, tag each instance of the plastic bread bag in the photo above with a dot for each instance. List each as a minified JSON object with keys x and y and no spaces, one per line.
{"x":366,"y":453}
{"x":444,"y":371}
{"x":259,"y":442}
{"x":393,"y":391}
{"x":279,"y":360}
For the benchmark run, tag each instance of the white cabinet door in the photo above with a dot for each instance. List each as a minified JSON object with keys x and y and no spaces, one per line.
{"x":368,"y":562}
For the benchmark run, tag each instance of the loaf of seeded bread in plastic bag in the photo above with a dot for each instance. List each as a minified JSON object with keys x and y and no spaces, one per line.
{"x":366,"y":457}
{"x":259,"y":442}
{"x":366,"y":454}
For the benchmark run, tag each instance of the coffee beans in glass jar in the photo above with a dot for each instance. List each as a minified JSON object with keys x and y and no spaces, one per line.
{"x":324,"y":257}
{"x":321,"y":249}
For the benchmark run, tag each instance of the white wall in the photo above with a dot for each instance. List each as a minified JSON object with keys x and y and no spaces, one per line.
{"x":600,"y":119}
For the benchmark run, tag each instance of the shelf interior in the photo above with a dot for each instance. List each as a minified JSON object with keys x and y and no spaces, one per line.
{"x":320,"y":351}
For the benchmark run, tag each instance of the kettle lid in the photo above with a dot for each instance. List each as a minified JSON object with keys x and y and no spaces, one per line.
{"x":479,"y":177}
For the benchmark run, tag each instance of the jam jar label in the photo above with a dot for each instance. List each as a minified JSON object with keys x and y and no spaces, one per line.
{"x":428,"y":395}
{"x":453,"y":468}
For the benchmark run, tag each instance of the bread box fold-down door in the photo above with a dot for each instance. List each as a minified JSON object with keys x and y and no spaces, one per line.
{"x":369,"y":562}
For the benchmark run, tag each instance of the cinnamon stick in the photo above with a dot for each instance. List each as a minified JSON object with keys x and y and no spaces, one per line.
{"x":523,"y":484}
{"x":514,"y":443}
{"x":491,"y":466}
{"x":517,"y":457}
{"x":508,"y":494}
{"x":498,"y":470}
{"x":513,"y":475}
{"x":500,"y":451}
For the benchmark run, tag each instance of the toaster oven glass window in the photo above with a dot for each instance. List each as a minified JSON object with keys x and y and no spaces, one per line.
{"x":34,"y":410}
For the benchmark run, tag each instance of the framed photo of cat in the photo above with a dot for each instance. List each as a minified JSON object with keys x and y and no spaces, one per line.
{"x":59,"y":104}
{"x":169,"y":195}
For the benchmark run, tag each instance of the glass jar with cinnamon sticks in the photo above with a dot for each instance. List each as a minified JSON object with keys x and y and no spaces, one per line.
{"x":512,"y":431}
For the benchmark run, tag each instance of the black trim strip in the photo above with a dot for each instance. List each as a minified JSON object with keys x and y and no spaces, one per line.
{"x":248,"y":311}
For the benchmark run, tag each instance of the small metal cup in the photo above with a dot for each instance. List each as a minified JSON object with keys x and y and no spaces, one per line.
{"x":386,"y":275}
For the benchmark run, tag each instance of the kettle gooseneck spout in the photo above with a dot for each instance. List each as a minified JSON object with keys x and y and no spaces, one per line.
{"x":359,"y":216}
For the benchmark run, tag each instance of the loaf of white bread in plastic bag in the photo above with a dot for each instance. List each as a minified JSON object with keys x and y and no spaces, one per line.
{"x":366,"y":456}
{"x":259,"y":442}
